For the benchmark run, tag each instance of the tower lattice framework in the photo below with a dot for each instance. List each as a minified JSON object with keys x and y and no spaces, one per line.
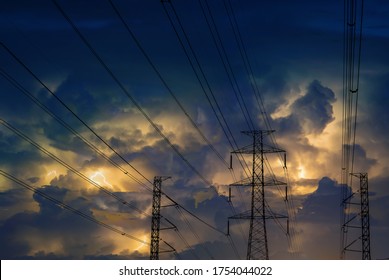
{"x":257,"y":248}
{"x":356,"y":228}
{"x":156,"y":217}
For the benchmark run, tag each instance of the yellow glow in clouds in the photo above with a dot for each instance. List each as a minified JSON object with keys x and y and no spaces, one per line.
{"x":99,"y":178}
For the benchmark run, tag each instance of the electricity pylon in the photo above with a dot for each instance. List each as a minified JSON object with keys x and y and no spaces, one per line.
{"x":257,"y":248}
{"x":351,"y":221}
{"x":156,"y":217}
{"x":365,"y":219}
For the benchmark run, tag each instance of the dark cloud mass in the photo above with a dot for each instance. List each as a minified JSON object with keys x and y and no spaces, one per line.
{"x":295,"y":52}
{"x":314,"y":109}
{"x":310,"y":113}
{"x":50,"y":224}
{"x":322,"y":204}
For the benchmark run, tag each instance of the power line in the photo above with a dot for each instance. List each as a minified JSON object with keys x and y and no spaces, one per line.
{"x":222,"y":53}
{"x":193,"y":252}
{"x":221,"y":119}
{"x":180,"y":207}
{"x":352,"y":50}
{"x":203,"y":75}
{"x":226,"y":64}
{"x":191,"y":229}
{"x":153,"y":66}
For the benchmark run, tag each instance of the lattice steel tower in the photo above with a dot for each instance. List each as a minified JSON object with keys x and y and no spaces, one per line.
{"x":156,"y":217}
{"x":365,"y":220}
{"x":257,"y":243}
{"x":356,"y":232}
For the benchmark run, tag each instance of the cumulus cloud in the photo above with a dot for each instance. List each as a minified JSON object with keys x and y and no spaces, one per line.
{"x":323,"y":204}
{"x":320,"y":208}
{"x":314,"y":109}
{"x":310,"y":113}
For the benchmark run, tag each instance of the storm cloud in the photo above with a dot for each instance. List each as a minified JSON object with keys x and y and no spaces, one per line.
{"x":295,"y":51}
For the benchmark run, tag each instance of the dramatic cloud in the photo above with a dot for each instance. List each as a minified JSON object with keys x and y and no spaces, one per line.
{"x":295,"y":52}
{"x":310,"y":113}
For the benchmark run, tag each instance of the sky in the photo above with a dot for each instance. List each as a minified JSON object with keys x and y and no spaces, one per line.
{"x":142,"y":96}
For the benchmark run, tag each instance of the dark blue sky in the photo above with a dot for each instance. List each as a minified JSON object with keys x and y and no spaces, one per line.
{"x":295,"y":49}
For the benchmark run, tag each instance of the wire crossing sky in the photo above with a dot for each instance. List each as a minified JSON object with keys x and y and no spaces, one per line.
{"x":98,"y":97}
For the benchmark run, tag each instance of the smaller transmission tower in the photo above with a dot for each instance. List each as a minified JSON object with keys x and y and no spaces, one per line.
{"x":364,"y":226}
{"x":257,"y":243}
{"x":156,"y":217}
{"x":365,"y":220}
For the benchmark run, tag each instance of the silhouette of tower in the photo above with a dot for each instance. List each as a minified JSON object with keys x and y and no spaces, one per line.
{"x":156,"y":217}
{"x":257,"y":215}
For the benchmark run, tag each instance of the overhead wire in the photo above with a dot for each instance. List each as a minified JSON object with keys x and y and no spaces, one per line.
{"x":168,"y":88}
{"x":294,"y":240}
{"x":200,"y":75}
{"x":227,"y":65}
{"x":352,"y":49}
{"x":357,"y":86}
{"x":191,"y":249}
{"x":203,"y":87}
{"x":194,"y":233}
{"x":197,"y":63}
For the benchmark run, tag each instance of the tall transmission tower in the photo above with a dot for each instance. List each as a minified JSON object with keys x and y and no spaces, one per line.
{"x":156,"y":217}
{"x":257,"y":248}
